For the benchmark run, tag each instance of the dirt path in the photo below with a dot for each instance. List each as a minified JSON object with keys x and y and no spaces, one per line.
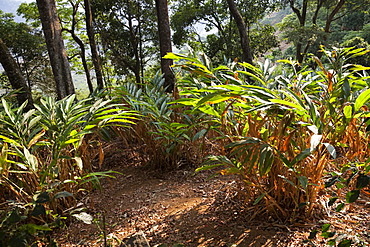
{"x":173,"y":208}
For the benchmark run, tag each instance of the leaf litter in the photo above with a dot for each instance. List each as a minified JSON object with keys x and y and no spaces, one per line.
{"x":180,"y":207}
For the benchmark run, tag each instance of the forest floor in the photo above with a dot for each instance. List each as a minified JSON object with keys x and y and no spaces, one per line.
{"x":180,"y":207}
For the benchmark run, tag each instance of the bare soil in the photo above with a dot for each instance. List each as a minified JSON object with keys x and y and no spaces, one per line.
{"x":180,"y":207}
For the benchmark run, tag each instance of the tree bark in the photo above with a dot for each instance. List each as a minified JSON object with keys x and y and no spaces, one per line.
{"x":165,"y":43}
{"x":15,"y":76}
{"x":244,"y":39}
{"x":93,"y":47}
{"x":55,"y":45}
{"x":81,"y":44}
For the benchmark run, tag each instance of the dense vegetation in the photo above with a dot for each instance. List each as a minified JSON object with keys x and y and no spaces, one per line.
{"x":290,"y":123}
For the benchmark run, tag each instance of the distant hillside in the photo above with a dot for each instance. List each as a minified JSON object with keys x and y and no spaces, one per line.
{"x":276,"y":17}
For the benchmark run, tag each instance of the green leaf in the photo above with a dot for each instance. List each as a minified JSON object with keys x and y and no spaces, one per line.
{"x":42,"y":197}
{"x":33,"y":228}
{"x":313,"y":234}
{"x":347,"y":111}
{"x":362,"y":99}
{"x":209,"y":110}
{"x":345,"y":243}
{"x":200,"y":134}
{"x":266,"y":159}
{"x":14,"y":217}
{"x":331,"y":181}
{"x":327,"y":234}
{"x":39,"y":209}
{"x":352,"y":196}
{"x":303,"y":181}
{"x":325,"y":227}
{"x":287,"y":180}
{"x":332,"y":200}
{"x":331,"y":242}
{"x":362,"y":181}
{"x":259,"y":199}
{"x":62,"y":194}
{"x":339,"y":207}
{"x":302,"y":155}
{"x":287,"y":103}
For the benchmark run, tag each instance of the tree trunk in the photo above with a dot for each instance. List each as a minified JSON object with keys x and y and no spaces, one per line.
{"x":81,"y":44}
{"x":57,"y":53}
{"x":93,"y":47}
{"x":165,"y":43}
{"x":244,"y":39}
{"x":15,"y":76}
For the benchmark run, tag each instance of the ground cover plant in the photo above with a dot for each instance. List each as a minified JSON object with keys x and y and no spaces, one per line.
{"x":46,"y":163}
{"x":285,"y":133}
{"x":290,"y":133}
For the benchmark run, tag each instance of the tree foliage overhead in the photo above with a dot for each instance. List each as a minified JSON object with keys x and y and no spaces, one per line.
{"x":313,"y":23}
{"x":27,"y":46}
{"x":214,"y":15}
{"x":128,"y":33}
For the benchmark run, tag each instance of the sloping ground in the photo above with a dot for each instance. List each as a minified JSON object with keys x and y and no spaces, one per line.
{"x":178,"y":207}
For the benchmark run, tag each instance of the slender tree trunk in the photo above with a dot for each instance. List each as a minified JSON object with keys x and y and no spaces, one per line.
{"x":57,"y":53}
{"x":81,"y":44}
{"x":165,"y":43}
{"x":244,"y":39}
{"x":93,"y":47}
{"x":83,"y":59}
{"x":332,"y":14}
{"x":15,"y":76}
{"x":135,"y":43}
{"x":301,"y":15}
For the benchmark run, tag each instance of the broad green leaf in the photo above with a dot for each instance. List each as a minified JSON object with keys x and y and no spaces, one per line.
{"x":301,"y":156}
{"x":42,"y":197}
{"x":39,"y":209}
{"x":8,"y":140}
{"x":362,"y":181}
{"x":325,"y":227}
{"x":352,"y":196}
{"x":209,"y":110}
{"x":313,"y":234}
{"x":362,"y":99}
{"x":332,"y":200}
{"x":345,"y":243}
{"x":33,"y":228}
{"x":62,"y":194}
{"x":266,"y":159}
{"x":287,"y":103}
{"x":303,"y":181}
{"x":200,"y":134}
{"x":14,"y":217}
{"x":339,"y":207}
{"x":347,"y":111}
{"x":178,"y":57}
